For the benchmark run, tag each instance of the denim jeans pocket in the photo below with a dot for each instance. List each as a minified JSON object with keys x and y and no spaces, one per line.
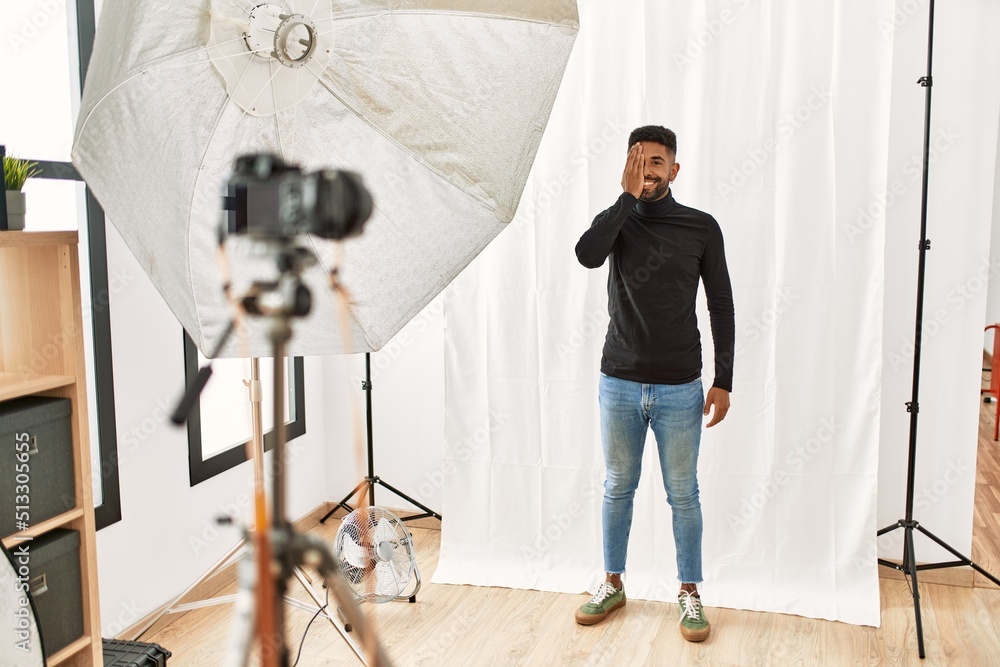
{"x":681,"y":403}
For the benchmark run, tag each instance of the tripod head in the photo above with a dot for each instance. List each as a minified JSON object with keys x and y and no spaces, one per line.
{"x":287,"y":297}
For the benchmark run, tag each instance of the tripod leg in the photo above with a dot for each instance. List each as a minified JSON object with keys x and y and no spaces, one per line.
{"x":307,"y":585}
{"x":219,"y":564}
{"x":890,"y":528}
{"x":343,"y":503}
{"x":343,"y":619}
{"x":910,"y":562}
{"x":956,"y":554}
{"x":408,"y":499}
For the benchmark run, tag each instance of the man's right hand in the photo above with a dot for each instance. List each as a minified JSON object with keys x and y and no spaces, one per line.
{"x":635,"y":165}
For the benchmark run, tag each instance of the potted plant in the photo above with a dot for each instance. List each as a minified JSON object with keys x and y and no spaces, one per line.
{"x":16,"y":171}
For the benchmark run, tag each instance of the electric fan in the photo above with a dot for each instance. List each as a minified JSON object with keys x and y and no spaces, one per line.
{"x":375,"y":552}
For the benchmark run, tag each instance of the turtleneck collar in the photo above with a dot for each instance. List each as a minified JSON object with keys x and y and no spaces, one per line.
{"x":658,"y":208}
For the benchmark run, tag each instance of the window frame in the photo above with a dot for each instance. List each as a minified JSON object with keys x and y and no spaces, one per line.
{"x":202,"y":469}
{"x":110,"y":510}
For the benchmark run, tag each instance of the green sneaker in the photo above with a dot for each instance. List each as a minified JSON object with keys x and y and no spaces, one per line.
{"x":694,"y":625}
{"x":607,"y":599}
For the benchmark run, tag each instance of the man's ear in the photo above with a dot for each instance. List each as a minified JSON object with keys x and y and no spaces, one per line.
{"x":673,"y":172}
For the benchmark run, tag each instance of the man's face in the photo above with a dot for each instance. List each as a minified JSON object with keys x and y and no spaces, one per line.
{"x":660,"y":169}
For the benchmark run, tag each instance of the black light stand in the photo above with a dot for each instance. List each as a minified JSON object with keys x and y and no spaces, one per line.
{"x":372,"y":479}
{"x":908,"y":525}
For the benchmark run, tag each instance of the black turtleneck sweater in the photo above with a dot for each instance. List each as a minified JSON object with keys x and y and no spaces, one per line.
{"x":658,"y":251}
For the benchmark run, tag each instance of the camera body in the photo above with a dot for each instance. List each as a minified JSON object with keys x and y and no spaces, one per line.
{"x":269,"y":199}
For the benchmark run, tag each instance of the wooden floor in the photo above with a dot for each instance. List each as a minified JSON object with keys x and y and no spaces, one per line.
{"x":986,"y":519}
{"x":464,"y":625}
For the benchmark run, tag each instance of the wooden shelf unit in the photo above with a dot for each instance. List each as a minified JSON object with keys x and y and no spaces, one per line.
{"x":73,"y":652}
{"x":15,"y":385}
{"x":41,"y":353}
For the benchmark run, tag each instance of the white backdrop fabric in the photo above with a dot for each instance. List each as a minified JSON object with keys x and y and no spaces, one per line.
{"x":781,"y":110}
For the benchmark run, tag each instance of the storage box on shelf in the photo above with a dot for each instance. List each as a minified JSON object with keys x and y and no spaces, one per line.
{"x":55,"y":586}
{"x":41,"y":354}
{"x":36,"y":440}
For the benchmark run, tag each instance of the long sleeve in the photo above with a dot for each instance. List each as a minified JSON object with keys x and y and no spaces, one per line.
{"x":719,"y":293}
{"x":660,"y":253}
{"x":596,"y":243}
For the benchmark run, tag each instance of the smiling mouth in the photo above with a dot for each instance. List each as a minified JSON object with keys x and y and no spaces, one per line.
{"x":648,"y":183}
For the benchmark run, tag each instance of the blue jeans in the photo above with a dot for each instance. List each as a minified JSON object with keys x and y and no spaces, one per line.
{"x":674,"y":412}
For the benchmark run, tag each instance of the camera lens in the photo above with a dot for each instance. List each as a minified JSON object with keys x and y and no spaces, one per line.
{"x":343,"y":205}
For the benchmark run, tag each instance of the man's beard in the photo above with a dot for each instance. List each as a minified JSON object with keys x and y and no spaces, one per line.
{"x":657,"y":192}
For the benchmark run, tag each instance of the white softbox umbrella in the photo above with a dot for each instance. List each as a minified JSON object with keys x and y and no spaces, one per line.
{"x":438,"y":104}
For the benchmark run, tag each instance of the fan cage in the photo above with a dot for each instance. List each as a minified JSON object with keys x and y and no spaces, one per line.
{"x":375,"y":553}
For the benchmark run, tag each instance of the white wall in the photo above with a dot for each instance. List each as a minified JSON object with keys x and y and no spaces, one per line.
{"x":966,"y":103}
{"x":167,"y":536}
{"x":993,"y":291}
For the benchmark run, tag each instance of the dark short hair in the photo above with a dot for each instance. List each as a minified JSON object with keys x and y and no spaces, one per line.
{"x":656,"y":134}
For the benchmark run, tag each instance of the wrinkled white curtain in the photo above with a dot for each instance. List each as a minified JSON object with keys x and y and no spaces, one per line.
{"x":781,"y":110}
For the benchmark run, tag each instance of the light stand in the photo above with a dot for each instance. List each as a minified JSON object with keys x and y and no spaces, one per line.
{"x":279,"y":551}
{"x":255,"y":451}
{"x":369,"y":482}
{"x":291,"y":550}
{"x":909,"y":565}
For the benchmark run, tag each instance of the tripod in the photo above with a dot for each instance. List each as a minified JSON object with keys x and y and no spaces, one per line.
{"x":279,"y":553}
{"x":909,"y":564}
{"x":369,"y":482}
{"x":256,"y":452}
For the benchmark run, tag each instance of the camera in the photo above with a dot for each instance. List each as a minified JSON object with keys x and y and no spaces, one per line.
{"x":269,"y":199}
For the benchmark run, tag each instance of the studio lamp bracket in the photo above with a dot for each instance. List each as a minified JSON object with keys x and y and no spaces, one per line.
{"x":291,"y":39}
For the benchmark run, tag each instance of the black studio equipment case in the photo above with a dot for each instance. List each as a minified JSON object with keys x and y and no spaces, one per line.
{"x":134,"y":654}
